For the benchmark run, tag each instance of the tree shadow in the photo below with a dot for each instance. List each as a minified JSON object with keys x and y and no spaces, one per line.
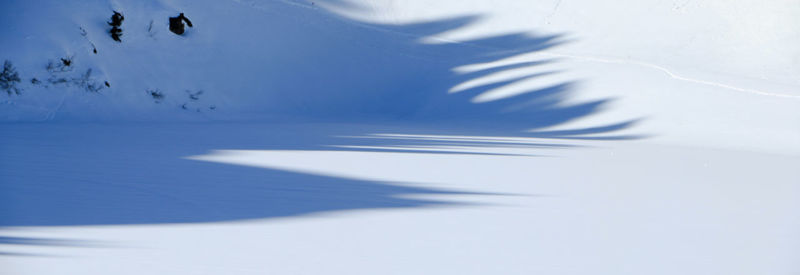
{"x":63,"y":175}
{"x":335,"y":68}
{"x":70,"y":175}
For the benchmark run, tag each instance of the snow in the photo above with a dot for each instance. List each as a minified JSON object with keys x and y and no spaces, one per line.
{"x":402,"y":137}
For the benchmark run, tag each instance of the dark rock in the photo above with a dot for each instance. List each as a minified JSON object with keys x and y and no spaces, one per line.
{"x":116,"y":19}
{"x":176,"y":24}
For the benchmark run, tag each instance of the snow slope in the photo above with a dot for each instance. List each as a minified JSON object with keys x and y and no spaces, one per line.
{"x":476,"y":62}
{"x":402,"y":137}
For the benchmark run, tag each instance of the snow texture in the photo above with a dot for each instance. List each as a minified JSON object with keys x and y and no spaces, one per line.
{"x":400,"y":137}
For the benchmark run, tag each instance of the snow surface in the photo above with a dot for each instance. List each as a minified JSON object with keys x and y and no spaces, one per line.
{"x":402,"y":137}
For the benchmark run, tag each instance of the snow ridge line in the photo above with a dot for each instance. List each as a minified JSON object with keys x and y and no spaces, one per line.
{"x":555,"y":54}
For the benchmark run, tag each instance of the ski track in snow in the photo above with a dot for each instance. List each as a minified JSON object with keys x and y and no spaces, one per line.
{"x":669,"y":73}
{"x":663,"y":69}
{"x":553,"y":13}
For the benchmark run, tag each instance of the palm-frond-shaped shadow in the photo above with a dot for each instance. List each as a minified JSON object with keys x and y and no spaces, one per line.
{"x":326,"y":68}
{"x":356,"y":71}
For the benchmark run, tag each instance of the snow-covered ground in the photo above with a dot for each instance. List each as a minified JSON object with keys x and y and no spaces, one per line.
{"x":402,"y":137}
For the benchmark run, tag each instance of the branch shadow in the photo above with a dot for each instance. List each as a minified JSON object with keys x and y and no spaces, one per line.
{"x":44,"y":242}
